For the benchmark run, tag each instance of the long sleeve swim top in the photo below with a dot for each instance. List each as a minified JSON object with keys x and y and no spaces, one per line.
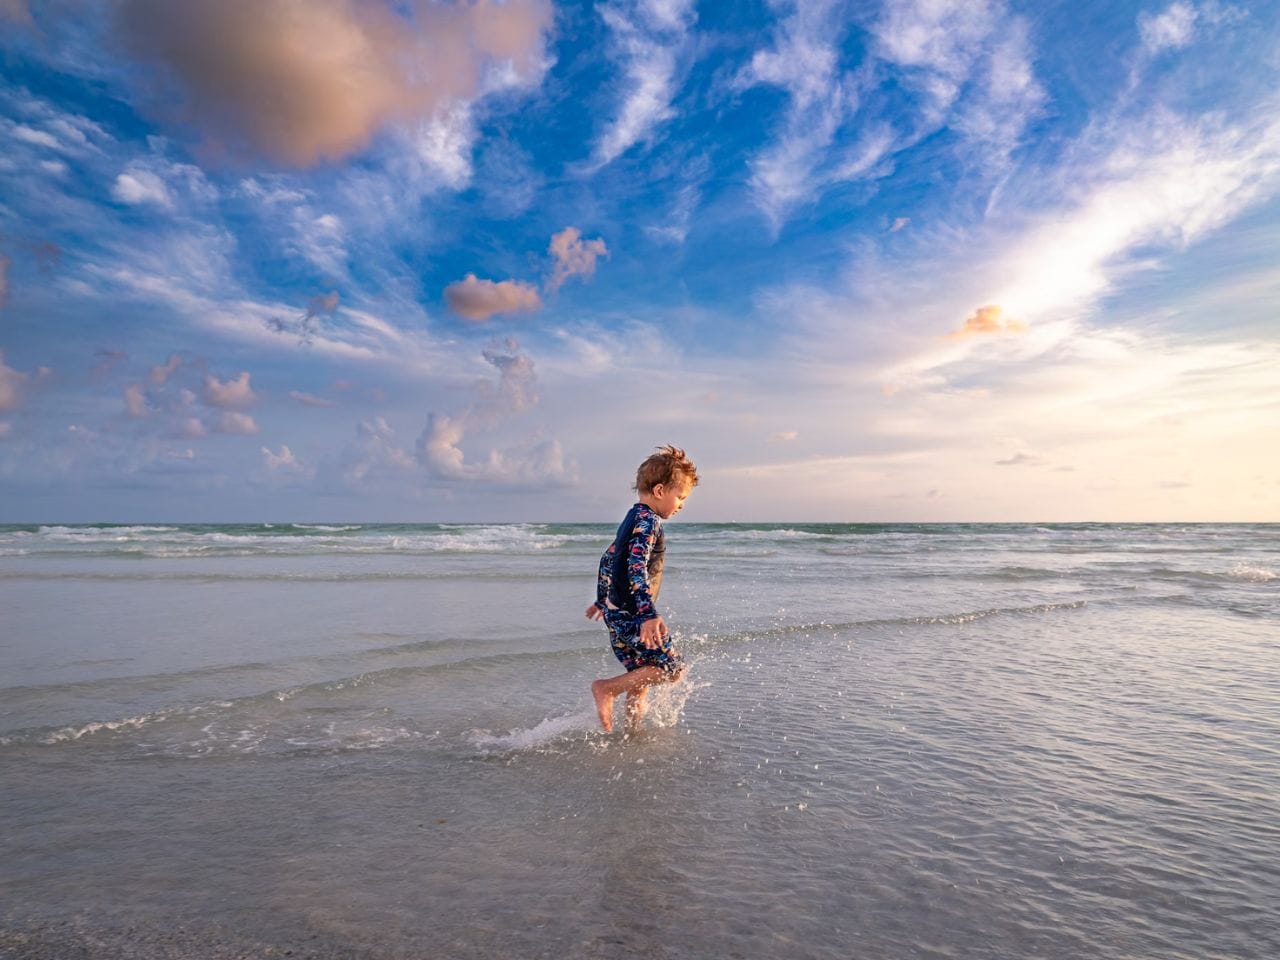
{"x":631,"y":569}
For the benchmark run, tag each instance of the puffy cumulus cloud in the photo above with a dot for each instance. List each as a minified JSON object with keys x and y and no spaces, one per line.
{"x":160,"y":374}
{"x":479,"y":300}
{"x":284,"y":463}
{"x":303,"y":82}
{"x":535,"y":463}
{"x":648,"y":38}
{"x":541,"y":463}
{"x":986,"y":320}
{"x":574,"y":257}
{"x":1170,"y":29}
{"x":516,"y":390}
{"x":375,"y":454}
{"x":229,"y":395}
{"x":236,"y":423}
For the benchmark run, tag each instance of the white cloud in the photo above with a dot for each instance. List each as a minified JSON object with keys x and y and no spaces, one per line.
{"x":283,"y":463}
{"x":374,"y":455}
{"x":805,"y":62}
{"x":971,"y":60}
{"x":647,"y":43}
{"x":39,"y":138}
{"x":310,"y":400}
{"x":1174,"y":27}
{"x":321,"y":239}
{"x":535,"y":463}
{"x":141,"y":187}
{"x":442,"y":147}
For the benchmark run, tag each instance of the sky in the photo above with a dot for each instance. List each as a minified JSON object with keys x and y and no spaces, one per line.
{"x":898,"y":261}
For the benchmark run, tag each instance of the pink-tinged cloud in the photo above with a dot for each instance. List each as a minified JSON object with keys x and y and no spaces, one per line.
{"x":12,"y":386}
{"x":304,"y":82}
{"x":236,"y":423}
{"x":988,"y":320}
{"x":479,"y":300}
{"x":193,"y":427}
{"x":574,"y":257}
{"x":135,"y":401}
{"x":786,"y":436}
{"x":160,"y":375}
{"x":230,"y":395}
{"x":15,"y":10}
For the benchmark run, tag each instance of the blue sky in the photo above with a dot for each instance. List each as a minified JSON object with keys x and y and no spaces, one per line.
{"x":928,"y":260}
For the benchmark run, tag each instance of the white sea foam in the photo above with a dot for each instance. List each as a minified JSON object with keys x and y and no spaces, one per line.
{"x":1252,"y":573}
{"x":570,"y":726}
{"x":67,"y":734}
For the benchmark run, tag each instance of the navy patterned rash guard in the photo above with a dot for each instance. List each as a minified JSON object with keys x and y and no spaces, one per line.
{"x":631,"y":569}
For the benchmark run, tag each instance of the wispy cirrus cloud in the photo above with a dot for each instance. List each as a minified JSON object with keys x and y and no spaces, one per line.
{"x":805,"y":61}
{"x":647,"y":44}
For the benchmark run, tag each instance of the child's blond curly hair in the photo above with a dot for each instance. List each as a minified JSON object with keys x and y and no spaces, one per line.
{"x":665,"y":467}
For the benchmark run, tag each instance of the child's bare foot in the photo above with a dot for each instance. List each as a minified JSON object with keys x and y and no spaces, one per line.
{"x":604,"y":704}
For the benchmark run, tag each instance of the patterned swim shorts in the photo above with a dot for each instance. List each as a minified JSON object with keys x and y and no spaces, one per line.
{"x":624,"y":636}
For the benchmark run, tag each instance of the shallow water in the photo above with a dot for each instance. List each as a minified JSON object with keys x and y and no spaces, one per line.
{"x":895,"y":741}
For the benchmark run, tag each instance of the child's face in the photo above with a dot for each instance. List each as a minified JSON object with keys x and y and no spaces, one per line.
{"x":666,"y":499}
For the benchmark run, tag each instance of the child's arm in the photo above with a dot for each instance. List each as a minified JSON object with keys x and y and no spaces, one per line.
{"x":604,"y":580}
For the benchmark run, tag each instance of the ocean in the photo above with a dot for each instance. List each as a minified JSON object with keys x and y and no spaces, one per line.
{"x":894,"y":741}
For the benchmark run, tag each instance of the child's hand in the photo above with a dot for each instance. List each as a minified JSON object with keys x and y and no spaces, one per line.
{"x":652,"y":632}
{"x":594,"y":612}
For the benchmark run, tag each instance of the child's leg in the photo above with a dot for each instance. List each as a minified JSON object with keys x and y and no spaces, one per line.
{"x":606,"y":691}
{"x":637,"y":705}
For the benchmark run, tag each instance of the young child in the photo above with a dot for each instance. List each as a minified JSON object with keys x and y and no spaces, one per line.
{"x":628,"y":583}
